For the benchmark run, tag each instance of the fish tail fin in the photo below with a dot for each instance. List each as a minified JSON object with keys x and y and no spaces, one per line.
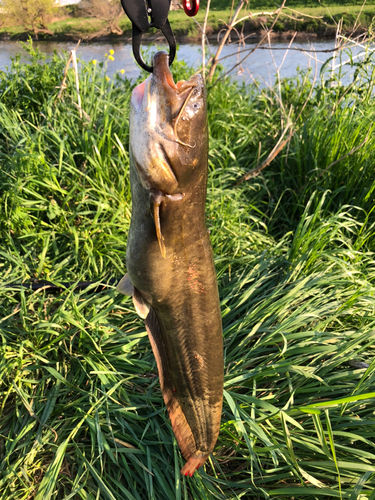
{"x":180,"y":426}
{"x":193,"y":464}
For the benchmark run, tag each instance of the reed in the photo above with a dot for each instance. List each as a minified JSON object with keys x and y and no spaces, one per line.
{"x":81,"y":413}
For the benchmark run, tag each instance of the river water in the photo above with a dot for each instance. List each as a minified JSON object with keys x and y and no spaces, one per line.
{"x":262,"y":65}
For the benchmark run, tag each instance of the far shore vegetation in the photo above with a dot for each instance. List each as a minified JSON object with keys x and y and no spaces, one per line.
{"x":103,"y":19}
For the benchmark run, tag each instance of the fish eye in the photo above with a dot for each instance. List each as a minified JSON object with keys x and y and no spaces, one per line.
{"x":192,"y":108}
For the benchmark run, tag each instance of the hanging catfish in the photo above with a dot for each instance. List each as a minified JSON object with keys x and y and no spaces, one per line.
{"x":171,"y":273}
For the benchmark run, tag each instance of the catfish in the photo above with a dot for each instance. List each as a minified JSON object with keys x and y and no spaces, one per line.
{"x":169,"y":259}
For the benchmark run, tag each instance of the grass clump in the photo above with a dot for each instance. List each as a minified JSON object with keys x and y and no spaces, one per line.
{"x":81,"y":413}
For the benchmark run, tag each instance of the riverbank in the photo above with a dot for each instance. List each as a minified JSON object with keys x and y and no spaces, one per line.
{"x":81,"y":406}
{"x":308,"y":22}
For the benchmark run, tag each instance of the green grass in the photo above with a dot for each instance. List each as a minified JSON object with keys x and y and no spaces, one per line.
{"x":265,"y":4}
{"x":326,"y":15}
{"x":81,"y":413}
{"x":77,"y":26}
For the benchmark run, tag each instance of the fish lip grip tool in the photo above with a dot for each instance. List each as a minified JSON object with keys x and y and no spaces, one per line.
{"x":146,"y":14}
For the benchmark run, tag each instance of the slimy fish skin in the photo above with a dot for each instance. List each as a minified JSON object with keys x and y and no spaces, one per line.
{"x":170,"y":267}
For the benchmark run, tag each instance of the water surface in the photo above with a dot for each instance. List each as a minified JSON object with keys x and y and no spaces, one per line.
{"x":262,"y":65}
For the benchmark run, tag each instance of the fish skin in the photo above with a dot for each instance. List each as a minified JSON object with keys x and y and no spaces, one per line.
{"x":169,"y":256}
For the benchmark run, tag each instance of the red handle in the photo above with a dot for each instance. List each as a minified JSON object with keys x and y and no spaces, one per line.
{"x":191,"y":7}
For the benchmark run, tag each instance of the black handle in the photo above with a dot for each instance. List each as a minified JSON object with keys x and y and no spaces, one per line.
{"x":137,"y":39}
{"x":146,"y":14}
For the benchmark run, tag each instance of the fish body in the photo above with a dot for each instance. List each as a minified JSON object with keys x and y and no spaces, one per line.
{"x":170,"y":268}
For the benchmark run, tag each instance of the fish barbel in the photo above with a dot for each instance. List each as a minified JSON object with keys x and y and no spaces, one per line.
{"x":170,"y":267}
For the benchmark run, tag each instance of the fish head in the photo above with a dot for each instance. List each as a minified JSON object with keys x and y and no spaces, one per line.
{"x":168,"y":130}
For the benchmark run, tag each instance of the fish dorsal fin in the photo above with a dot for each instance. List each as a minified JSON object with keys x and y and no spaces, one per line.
{"x":125,"y":285}
{"x":141,"y":306}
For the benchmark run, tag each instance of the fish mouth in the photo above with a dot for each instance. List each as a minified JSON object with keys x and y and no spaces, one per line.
{"x":163,"y":74}
{"x":161,"y":70}
{"x":162,"y":78}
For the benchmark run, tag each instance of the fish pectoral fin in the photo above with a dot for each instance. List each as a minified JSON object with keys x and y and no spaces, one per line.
{"x":141,"y":306}
{"x":125,"y":285}
{"x":157,"y":199}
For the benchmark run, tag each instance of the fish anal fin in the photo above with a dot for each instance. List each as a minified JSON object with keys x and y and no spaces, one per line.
{"x":125,"y":285}
{"x":180,"y":426}
{"x":141,"y":306}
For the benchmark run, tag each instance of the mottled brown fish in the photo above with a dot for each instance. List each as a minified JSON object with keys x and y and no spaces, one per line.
{"x":171,"y":272}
